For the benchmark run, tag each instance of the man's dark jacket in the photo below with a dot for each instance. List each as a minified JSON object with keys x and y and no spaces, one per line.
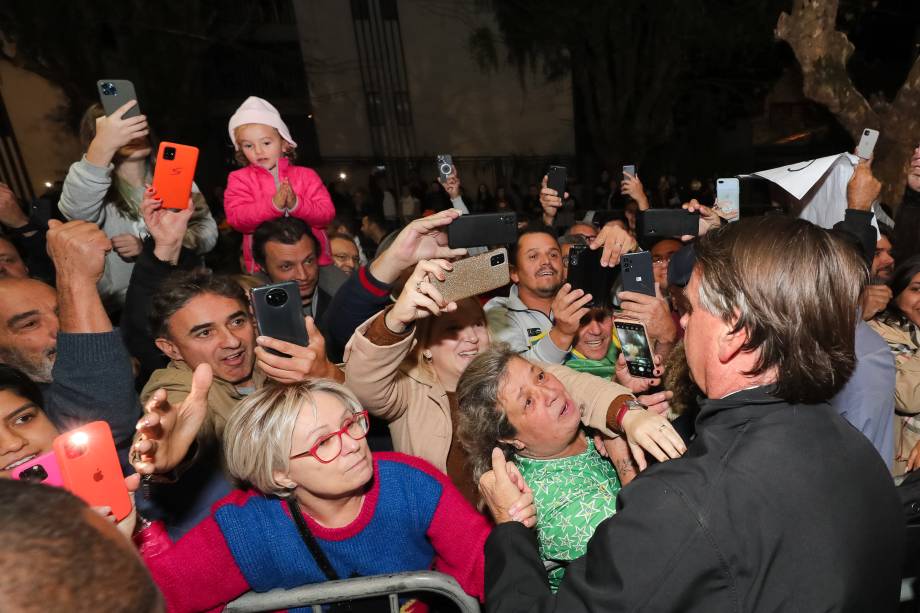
{"x":774,"y":507}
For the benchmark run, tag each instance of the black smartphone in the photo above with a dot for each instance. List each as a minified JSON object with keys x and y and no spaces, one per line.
{"x":485,"y":229}
{"x":587,"y":274}
{"x":636,"y":273}
{"x":113,"y":93}
{"x":556,"y":178}
{"x":661,"y":223}
{"x":636,"y":348}
{"x":279,"y":313}
{"x":445,"y":166}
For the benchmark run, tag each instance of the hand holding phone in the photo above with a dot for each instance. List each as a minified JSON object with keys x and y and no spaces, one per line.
{"x":556,"y":178}
{"x":445,"y":167}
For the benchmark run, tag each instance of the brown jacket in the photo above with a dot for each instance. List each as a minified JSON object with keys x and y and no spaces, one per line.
{"x":904,"y":340}
{"x":415,"y":403}
{"x":223,"y":396}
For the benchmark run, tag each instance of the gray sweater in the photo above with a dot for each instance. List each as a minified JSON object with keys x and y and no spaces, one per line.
{"x":84,"y":196}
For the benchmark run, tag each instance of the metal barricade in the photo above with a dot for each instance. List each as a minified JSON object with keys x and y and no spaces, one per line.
{"x":318,"y":594}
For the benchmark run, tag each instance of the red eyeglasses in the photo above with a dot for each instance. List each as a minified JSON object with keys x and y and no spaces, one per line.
{"x":329,"y":447}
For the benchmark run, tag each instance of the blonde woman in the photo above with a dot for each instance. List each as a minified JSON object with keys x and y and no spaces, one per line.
{"x":320,"y":507}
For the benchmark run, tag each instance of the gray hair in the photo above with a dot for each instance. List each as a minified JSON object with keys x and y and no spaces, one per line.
{"x":258,"y":436}
{"x":482,"y":422}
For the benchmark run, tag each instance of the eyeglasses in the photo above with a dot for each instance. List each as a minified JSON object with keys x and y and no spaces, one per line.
{"x":660,"y":260}
{"x":342,"y":258}
{"x":329,"y":447}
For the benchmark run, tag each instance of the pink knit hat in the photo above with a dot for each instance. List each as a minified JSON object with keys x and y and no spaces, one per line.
{"x":257,"y":110}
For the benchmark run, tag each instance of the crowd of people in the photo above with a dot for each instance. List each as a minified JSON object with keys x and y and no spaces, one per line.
{"x":500,"y":439}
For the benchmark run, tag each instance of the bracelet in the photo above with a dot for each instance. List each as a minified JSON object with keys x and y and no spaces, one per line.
{"x":628,"y":405}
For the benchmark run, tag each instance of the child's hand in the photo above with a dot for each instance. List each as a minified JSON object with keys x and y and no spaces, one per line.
{"x":114,"y":132}
{"x":285,"y":198}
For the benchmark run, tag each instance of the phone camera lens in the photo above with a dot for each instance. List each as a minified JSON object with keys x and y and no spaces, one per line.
{"x":866,"y":133}
{"x":169,"y":153}
{"x":34,"y":474}
{"x":276,"y":297}
{"x":108,"y":89}
{"x":445,"y":169}
{"x":498,"y":259}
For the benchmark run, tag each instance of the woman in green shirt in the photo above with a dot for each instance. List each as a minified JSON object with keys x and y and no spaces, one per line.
{"x":510,"y":403}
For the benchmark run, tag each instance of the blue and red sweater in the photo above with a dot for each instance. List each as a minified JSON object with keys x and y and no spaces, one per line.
{"x":413,"y":518}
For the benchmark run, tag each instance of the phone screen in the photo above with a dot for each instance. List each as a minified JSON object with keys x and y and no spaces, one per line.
{"x":728,"y":197}
{"x":635,"y":348}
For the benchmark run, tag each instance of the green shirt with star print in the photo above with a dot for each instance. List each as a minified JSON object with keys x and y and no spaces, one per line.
{"x":572,"y":495}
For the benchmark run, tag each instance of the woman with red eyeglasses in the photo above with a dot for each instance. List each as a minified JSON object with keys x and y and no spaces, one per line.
{"x":318,"y":506}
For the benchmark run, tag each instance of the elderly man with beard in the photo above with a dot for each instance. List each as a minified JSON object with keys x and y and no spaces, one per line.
{"x":63,"y":340}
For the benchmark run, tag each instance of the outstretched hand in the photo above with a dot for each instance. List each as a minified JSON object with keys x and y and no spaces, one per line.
{"x":166,"y":432}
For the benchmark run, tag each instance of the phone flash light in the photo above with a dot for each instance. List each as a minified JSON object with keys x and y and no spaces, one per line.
{"x":48,"y":183}
{"x":343,"y":176}
{"x":79,"y":439}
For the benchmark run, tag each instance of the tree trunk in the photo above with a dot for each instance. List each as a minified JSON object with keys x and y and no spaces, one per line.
{"x":823,"y":53}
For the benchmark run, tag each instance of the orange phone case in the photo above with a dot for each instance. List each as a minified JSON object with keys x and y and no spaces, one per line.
{"x":90,"y":467}
{"x":174,"y":173}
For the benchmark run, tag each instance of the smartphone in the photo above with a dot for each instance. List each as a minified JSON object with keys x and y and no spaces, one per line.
{"x":586,"y":273}
{"x":483,"y":229}
{"x":279,"y":313}
{"x":728,"y":197}
{"x":43,"y":469}
{"x":556,"y":179}
{"x":867,"y":144}
{"x":475,"y":275}
{"x":636,"y":273}
{"x":661,"y":223}
{"x":629,"y":168}
{"x":445,"y":166}
{"x":635,"y":347}
{"x":90,"y":469}
{"x":174,"y":173}
{"x":114,"y":93}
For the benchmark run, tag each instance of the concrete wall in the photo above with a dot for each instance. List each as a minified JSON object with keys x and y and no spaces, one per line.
{"x":48,"y":148}
{"x":456,"y":107}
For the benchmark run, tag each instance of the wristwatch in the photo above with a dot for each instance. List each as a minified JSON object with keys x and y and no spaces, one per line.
{"x":629,"y":405}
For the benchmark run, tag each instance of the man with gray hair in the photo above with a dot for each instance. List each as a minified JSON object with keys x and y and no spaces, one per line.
{"x":778,"y":504}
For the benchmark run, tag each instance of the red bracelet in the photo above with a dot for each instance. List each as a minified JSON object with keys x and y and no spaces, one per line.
{"x":620,"y":414}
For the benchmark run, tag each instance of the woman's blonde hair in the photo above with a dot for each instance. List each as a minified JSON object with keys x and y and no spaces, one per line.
{"x":258,"y":436}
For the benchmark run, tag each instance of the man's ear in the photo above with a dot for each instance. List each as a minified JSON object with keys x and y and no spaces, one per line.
{"x":513,"y":274}
{"x":730,"y":343}
{"x":517,"y":444}
{"x":166,"y":346}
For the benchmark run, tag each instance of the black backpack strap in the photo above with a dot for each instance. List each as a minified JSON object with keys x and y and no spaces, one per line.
{"x":310,"y":541}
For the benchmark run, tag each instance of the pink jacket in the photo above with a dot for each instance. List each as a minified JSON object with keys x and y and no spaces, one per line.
{"x":248,"y":203}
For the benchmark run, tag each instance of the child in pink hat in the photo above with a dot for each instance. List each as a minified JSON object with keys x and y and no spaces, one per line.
{"x":270,"y":185}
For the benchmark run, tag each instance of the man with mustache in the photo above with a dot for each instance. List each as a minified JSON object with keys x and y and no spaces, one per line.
{"x":541,"y":315}
{"x":877,"y":294}
{"x":63,"y":340}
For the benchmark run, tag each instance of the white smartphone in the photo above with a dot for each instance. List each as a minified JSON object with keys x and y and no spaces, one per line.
{"x":629,"y":168}
{"x":867,"y":144}
{"x":728,"y":197}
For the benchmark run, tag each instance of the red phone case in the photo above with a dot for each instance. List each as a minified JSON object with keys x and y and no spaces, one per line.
{"x":31,"y":473}
{"x":172,"y":178}
{"x":90,"y":467}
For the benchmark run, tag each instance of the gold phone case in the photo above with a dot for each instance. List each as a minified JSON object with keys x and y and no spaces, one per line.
{"x":475,"y":275}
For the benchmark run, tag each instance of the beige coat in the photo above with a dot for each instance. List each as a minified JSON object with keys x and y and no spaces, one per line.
{"x":415,"y":404}
{"x":903,"y":339}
